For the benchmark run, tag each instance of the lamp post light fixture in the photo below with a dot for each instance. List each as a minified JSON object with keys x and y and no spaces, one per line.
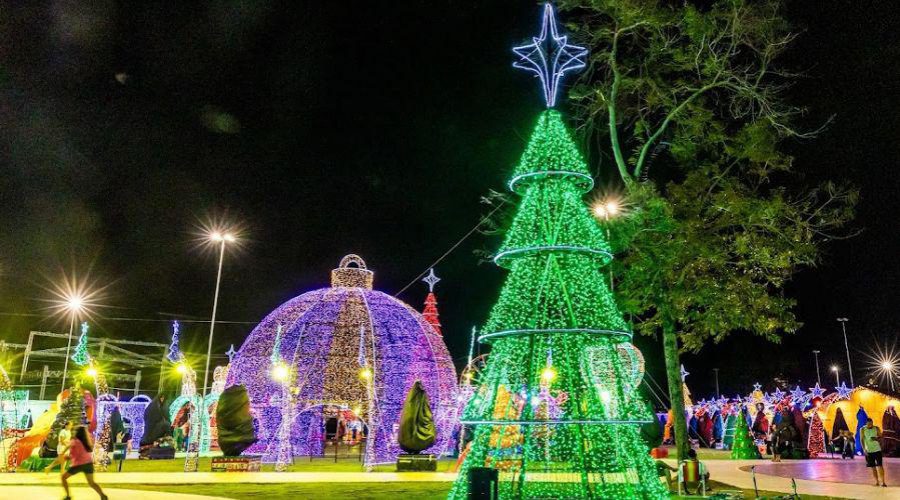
{"x":843,"y":322}
{"x":837,"y":379}
{"x":605,"y":210}
{"x":888,"y":366}
{"x":74,"y":304}
{"x":221,"y":239}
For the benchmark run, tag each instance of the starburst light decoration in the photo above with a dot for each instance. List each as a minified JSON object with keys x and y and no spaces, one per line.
{"x":348,"y":349}
{"x":550,"y":56}
{"x":816,"y":391}
{"x":843,"y":392}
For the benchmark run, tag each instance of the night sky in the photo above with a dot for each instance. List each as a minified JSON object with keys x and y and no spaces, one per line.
{"x":325,"y":130}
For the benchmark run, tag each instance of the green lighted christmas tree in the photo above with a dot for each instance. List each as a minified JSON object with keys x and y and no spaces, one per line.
{"x":80,"y":356}
{"x":743,"y":446}
{"x":557,"y":411}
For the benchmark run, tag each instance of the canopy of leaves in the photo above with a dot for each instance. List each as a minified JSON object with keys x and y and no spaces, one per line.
{"x":715,"y":234}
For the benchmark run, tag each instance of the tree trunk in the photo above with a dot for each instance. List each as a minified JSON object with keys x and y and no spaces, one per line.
{"x":676,"y":394}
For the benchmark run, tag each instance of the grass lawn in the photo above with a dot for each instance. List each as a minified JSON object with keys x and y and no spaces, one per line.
{"x":355,"y":491}
{"x":395,"y":491}
{"x":300,"y":465}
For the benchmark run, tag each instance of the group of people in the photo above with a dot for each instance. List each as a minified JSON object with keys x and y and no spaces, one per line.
{"x":73,"y":455}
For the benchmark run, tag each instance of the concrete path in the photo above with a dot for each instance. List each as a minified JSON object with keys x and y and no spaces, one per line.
{"x":833,"y":470}
{"x":737,"y":473}
{"x":42,"y":492}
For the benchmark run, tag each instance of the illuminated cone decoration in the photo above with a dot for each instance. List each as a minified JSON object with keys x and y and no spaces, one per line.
{"x":816,"y":442}
{"x":557,"y":411}
{"x":743,"y":446}
{"x":430,"y":313}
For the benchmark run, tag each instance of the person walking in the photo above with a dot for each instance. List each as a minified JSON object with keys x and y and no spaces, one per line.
{"x":62,"y":443}
{"x":79,"y":451}
{"x":869,"y":437}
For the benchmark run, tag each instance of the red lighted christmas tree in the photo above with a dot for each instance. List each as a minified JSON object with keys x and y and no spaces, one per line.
{"x":816,"y":443}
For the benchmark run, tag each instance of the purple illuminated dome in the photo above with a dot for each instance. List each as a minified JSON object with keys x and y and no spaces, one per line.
{"x":353,"y":353}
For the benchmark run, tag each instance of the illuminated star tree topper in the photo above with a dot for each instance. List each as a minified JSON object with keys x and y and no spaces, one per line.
{"x":431,"y":279}
{"x":684,"y":373}
{"x":550,"y":56}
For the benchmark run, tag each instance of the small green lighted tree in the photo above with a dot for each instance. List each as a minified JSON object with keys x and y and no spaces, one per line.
{"x":80,"y":356}
{"x":743,"y":446}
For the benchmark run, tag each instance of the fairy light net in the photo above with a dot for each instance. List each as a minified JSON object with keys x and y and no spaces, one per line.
{"x":350,"y":348}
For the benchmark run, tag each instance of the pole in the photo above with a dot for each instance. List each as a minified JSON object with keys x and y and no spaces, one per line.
{"x":68,"y":348}
{"x":612,"y":287}
{"x":818,"y":377}
{"x":847,"y":348}
{"x":212,"y":325}
{"x":718,"y":394}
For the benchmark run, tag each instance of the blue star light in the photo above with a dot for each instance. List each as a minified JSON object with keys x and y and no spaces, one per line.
{"x":431,"y":279}
{"x":817,"y":391}
{"x":843,"y":391}
{"x":797,"y":394}
{"x":549,"y":58}
{"x":684,"y":373}
{"x":778,"y":395}
{"x":231,"y":353}
{"x":757,"y":386}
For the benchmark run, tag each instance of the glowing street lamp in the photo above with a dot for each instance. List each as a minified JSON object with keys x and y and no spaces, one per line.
{"x":605,"y":209}
{"x":220,"y":238}
{"x":888,"y":366}
{"x":837,"y":379}
{"x":74,"y":305}
{"x":91,"y":372}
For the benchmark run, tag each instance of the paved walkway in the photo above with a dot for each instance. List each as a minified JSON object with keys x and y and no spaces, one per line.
{"x":834,"y":470}
{"x":737,"y":473}
{"x":41,"y":492}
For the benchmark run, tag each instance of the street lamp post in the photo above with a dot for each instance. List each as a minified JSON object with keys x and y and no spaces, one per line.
{"x":221,"y":239}
{"x":74,"y":305}
{"x":843,"y":322}
{"x":888,"y":366}
{"x":716,"y":371}
{"x":818,"y":377}
{"x":605,"y":210}
{"x":837,"y":378}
